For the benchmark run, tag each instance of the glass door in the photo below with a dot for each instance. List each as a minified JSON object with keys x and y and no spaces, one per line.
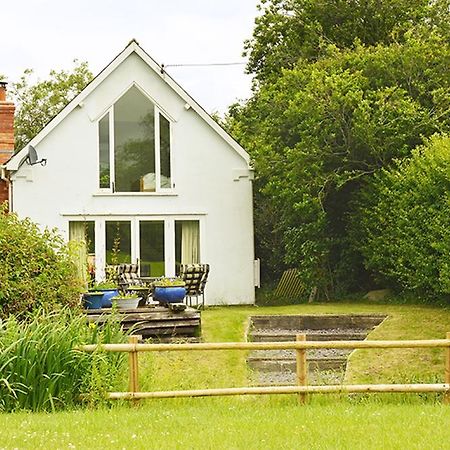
{"x":151,"y":248}
{"x":118,"y":242}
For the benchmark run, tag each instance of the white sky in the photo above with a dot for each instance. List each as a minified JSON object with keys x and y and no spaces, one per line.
{"x":50,"y":34}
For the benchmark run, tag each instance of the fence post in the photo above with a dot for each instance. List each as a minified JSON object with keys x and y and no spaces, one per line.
{"x":133,"y":384}
{"x":447,"y":371}
{"x":302,"y":368}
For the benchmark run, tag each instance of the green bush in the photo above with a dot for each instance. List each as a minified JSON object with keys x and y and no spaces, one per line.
{"x":36,"y":268}
{"x":404,"y":230}
{"x":40,"y":369}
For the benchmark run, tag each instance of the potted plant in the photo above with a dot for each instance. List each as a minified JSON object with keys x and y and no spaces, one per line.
{"x":141,"y":291}
{"x":109,"y":290}
{"x":126,"y":301}
{"x":93,"y":299}
{"x":169,"y":290}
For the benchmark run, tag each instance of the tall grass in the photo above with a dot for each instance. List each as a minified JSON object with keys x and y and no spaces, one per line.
{"x":40,"y":369}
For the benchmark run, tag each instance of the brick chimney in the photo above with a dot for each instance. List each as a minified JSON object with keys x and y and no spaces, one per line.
{"x":6,"y":136}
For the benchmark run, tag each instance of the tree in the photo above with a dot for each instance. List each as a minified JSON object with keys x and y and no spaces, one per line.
{"x":289,"y":30}
{"x":319,"y":131}
{"x":37,"y":104}
{"x":404,"y":226}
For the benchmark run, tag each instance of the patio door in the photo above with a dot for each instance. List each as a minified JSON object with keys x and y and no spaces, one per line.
{"x":152,"y":244}
{"x":159,"y":245}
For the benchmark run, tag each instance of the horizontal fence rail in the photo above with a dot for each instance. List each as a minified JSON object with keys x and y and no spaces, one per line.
{"x":332,"y":389}
{"x":294,"y":345}
{"x":300,"y":346}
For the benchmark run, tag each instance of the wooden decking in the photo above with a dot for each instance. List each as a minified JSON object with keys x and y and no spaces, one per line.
{"x":157,"y":322}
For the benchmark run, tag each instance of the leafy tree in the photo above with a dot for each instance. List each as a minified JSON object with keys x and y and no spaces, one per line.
{"x":38,"y":103}
{"x":288,"y":30}
{"x":404,"y":226}
{"x":321,"y":129}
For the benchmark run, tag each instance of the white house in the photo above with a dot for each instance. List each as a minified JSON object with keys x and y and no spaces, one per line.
{"x":138,"y":167}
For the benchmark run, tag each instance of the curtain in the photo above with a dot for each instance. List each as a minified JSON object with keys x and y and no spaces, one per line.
{"x":190,"y":242}
{"x":77,"y":234}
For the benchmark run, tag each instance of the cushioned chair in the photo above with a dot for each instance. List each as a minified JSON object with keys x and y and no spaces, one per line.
{"x":128,"y":276}
{"x":195,"y":276}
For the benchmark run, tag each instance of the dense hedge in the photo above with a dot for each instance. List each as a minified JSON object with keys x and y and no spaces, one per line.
{"x":36,"y":268}
{"x":405,"y":222}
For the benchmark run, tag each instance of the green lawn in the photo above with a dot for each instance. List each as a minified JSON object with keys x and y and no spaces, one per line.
{"x":234,"y":423}
{"x":364,"y":422}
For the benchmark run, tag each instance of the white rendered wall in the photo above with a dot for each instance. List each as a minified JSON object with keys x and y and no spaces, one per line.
{"x":204,"y":171}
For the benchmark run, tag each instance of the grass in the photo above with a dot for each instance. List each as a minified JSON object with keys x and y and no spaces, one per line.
{"x":266,"y":421}
{"x":234,"y":423}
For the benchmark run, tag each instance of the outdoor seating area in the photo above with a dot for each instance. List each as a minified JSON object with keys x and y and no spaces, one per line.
{"x":192,"y":277}
{"x":154,"y":307}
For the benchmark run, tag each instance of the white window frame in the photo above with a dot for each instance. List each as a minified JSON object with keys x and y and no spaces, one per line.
{"x":169,"y":237}
{"x":157,"y":148}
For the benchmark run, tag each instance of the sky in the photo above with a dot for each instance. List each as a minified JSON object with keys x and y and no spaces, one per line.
{"x":49,"y":34}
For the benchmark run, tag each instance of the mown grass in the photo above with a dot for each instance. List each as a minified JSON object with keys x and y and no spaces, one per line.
{"x":366,"y":422}
{"x":234,"y":423}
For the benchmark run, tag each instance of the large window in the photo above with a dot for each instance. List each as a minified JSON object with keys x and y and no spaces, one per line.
{"x":134,"y":146}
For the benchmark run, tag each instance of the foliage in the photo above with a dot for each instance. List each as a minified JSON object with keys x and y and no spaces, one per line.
{"x":40,"y":368}
{"x":289,"y":30}
{"x":168,"y":282}
{"x":322,"y":129}
{"x":125,"y":296}
{"x":36,"y":268}
{"x":38,"y":103}
{"x":404,"y":231}
{"x":104,"y":285}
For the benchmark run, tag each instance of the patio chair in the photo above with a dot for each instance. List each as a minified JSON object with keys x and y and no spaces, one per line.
{"x":129,"y":276}
{"x":195,"y":276}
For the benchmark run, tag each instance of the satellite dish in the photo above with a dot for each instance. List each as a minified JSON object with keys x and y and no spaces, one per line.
{"x":32,"y":157}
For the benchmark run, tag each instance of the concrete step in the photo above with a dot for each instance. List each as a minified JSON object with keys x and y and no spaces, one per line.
{"x":317,"y":321}
{"x":288,"y":335}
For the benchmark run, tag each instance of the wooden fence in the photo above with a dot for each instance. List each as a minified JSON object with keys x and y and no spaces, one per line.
{"x":300,"y":346}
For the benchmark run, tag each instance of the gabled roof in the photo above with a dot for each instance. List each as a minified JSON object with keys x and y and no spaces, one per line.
{"x":15,"y":162}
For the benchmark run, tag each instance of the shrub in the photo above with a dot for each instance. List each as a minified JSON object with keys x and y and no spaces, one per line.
{"x":40,"y":368}
{"x":36,"y":268}
{"x":404,"y":230}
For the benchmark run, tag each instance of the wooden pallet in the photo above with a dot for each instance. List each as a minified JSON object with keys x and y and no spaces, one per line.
{"x":156,"y":322}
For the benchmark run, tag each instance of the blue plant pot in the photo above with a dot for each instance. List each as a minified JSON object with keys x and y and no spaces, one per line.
{"x":108,"y":294}
{"x":169,"y":294}
{"x":93,"y":301}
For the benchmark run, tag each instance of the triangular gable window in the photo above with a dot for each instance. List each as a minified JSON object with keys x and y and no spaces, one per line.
{"x":134,"y":146}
